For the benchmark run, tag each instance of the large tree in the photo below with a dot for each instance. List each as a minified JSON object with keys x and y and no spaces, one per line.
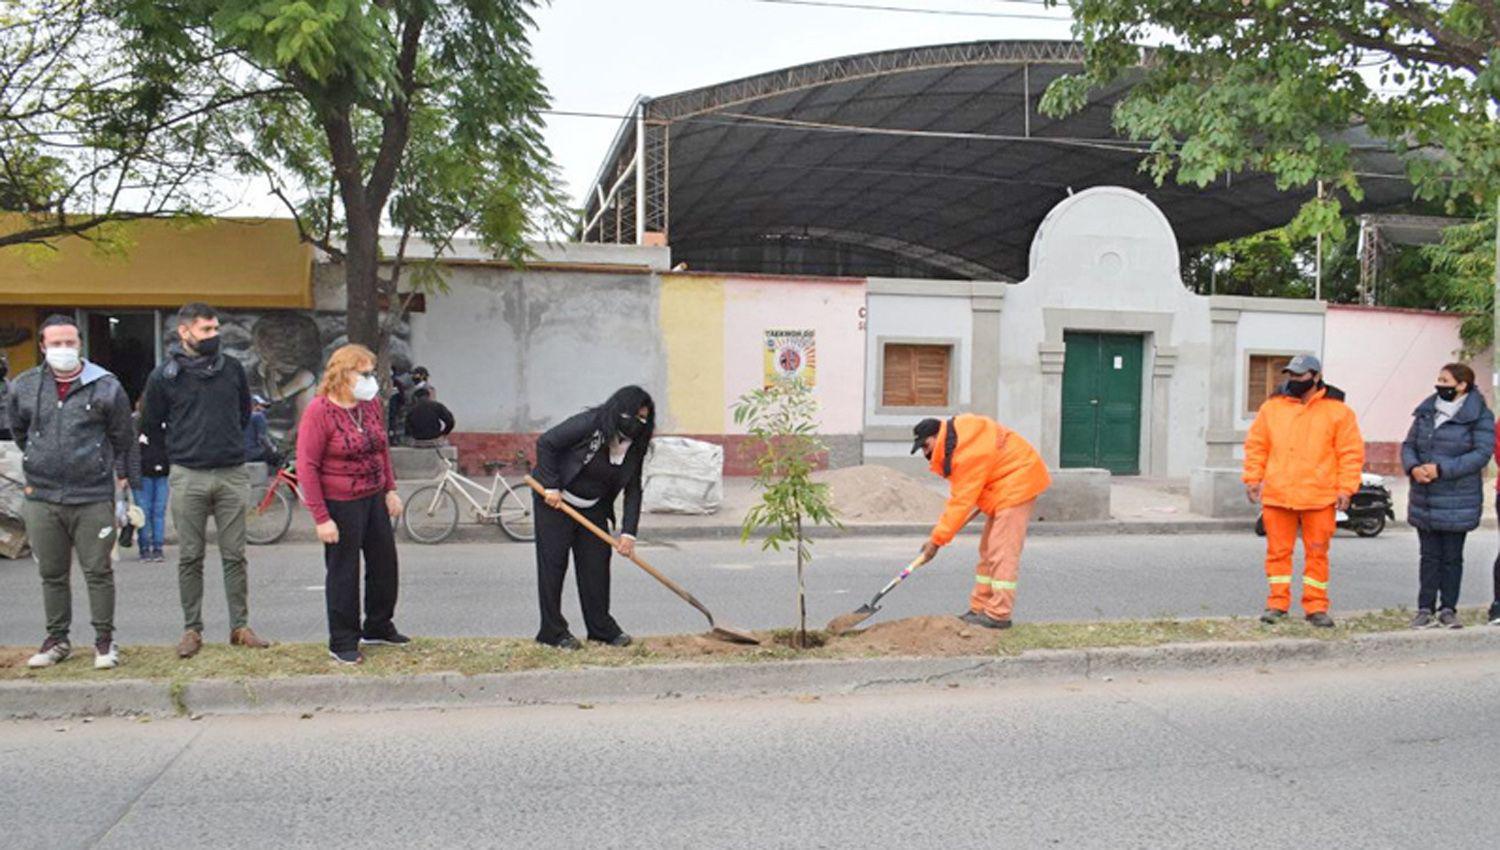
{"x":1271,"y":86}
{"x":417,"y":116}
{"x":92,"y":134}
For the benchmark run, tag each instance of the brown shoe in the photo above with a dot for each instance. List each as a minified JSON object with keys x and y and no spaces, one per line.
{"x":247,"y":638}
{"x":190,"y":644}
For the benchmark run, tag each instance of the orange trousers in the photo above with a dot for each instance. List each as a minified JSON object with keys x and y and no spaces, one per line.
{"x":1281,"y":538}
{"x":1000,"y":561}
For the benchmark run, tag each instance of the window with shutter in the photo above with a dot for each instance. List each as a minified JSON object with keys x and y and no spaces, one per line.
{"x":915,"y":375}
{"x":1262,"y":376}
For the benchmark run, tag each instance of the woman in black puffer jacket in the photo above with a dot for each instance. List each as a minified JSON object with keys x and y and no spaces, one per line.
{"x":1451,"y":440}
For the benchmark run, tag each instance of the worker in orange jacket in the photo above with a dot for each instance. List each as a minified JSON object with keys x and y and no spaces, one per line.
{"x":994,"y":469}
{"x":1303,"y":459}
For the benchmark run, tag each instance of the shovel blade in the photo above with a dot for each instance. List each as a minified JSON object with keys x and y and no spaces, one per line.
{"x":839,"y":625}
{"x":733,"y":635}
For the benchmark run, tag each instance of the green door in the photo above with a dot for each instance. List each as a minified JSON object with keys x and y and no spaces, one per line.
{"x":1101,"y":402}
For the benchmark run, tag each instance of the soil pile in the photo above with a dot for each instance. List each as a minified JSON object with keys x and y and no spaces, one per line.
{"x":881,"y":494}
{"x":913,"y":636}
{"x":931,"y":635}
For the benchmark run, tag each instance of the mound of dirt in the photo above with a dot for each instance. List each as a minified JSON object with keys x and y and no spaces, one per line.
{"x":881,"y":494}
{"x":931,"y":635}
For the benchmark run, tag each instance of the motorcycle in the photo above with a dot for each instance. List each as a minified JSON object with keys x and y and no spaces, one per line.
{"x":1368,"y":509}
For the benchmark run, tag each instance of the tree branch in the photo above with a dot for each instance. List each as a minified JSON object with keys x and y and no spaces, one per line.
{"x":396,"y":129}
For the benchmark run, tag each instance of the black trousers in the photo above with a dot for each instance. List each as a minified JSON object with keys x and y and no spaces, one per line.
{"x":1442,"y":568}
{"x":364,"y":528}
{"x":557,"y":535}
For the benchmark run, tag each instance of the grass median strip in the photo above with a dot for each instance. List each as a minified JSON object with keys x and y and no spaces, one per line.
{"x":918,"y":636}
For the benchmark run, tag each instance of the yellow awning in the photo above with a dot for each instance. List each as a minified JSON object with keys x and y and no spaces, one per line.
{"x":227,"y":262}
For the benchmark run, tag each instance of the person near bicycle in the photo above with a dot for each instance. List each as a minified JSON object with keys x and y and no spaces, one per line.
{"x":429,"y":422}
{"x":344,"y":468}
{"x":259,"y":447}
{"x":197,"y":405}
{"x":587,"y":461}
{"x":71,"y":418}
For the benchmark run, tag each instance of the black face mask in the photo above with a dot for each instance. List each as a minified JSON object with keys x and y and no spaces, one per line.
{"x":630,"y":426}
{"x":1446,"y":393}
{"x":207,"y":347}
{"x":1300,"y":388}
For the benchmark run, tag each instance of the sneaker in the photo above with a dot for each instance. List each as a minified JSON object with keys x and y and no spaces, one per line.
{"x":1448,"y":619}
{"x":106,"y":654}
{"x":567,"y":642}
{"x":1495,"y":614}
{"x":1272,"y":616}
{"x":391,"y":638}
{"x":976,"y":618}
{"x":54,"y":651}
{"x":1423,"y":620}
{"x":1320,"y":619}
{"x":620,"y":640}
{"x":347,"y":656}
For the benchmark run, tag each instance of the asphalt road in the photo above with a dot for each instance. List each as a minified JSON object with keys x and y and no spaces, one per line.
{"x":1393,"y":757}
{"x":472,"y":589}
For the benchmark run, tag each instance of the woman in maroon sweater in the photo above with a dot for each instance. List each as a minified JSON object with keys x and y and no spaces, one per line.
{"x":344,"y":467}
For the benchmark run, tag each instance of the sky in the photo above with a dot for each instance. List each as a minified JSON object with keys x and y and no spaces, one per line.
{"x":597,"y":56}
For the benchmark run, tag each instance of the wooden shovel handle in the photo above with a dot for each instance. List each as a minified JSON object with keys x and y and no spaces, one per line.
{"x":636,"y":559}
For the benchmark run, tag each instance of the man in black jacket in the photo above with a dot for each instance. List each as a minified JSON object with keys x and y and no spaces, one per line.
{"x":429,"y":420}
{"x":71,"y":418}
{"x":197,"y":405}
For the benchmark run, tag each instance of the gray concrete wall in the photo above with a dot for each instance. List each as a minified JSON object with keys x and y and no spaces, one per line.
{"x":520,"y":351}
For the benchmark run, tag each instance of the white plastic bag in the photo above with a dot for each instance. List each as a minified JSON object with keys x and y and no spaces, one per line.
{"x":683,"y":476}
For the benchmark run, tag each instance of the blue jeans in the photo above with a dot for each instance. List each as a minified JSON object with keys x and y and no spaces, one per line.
{"x":152,"y":498}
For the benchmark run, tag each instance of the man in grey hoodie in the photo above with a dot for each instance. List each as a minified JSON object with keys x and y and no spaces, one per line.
{"x":71,"y":420}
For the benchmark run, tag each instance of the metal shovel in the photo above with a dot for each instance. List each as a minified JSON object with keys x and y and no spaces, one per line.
{"x":732,"y":635}
{"x":841,"y":624}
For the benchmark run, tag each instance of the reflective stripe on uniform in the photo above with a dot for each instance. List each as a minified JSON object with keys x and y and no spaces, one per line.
{"x":1279,"y":579}
{"x":1003,"y":585}
{"x":1321,"y":585}
{"x":982,"y":579}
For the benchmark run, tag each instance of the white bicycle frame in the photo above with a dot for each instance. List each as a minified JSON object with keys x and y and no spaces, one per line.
{"x":490,"y":509}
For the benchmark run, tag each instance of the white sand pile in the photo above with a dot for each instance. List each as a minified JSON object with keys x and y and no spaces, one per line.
{"x":881,"y":494}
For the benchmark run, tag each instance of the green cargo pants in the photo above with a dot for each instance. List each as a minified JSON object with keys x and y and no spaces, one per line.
{"x":223,"y":494}
{"x":55,"y":533}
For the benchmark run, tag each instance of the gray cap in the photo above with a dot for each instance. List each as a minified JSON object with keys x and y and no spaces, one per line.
{"x":1304,"y":363}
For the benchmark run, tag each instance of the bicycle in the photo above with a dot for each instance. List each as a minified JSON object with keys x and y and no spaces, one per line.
{"x":432,"y":512}
{"x":270,"y":513}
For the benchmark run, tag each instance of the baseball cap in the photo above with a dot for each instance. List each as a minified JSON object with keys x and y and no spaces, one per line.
{"x":1303,"y":363}
{"x":260,"y":400}
{"x":924,"y":429}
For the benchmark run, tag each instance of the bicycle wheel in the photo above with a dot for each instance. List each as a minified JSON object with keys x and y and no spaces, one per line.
{"x":515,"y":517}
{"x":431,"y":515}
{"x":269,"y":516}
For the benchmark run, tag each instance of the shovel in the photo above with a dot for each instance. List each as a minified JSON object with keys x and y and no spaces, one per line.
{"x":727,"y":633}
{"x":841,"y":624}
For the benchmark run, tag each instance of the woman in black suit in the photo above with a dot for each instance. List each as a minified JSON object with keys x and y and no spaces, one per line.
{"x":586,"y":461}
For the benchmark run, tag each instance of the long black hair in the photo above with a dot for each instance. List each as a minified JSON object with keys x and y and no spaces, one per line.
{"x":627,"y":401}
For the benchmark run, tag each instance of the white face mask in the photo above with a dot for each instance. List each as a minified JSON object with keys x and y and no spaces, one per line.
{"x":366,"y":388}
{"x":63,"y":359}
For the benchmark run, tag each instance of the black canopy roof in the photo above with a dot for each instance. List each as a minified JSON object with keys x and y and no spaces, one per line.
{"x":927,"y":162}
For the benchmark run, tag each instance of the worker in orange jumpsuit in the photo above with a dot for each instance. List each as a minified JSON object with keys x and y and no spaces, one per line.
{"x":994,"y":469}
{"x":1303,"y":459}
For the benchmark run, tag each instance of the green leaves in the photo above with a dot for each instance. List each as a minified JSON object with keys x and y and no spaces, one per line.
{"x":780,"y":420}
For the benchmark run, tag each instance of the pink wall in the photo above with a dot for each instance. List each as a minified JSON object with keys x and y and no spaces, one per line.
{"x":1386,"y":359}
{"x":831,"y":309}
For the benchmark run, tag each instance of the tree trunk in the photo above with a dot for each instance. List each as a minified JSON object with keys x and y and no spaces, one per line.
{"x":801,"y":591}
{"x":361,"y":267}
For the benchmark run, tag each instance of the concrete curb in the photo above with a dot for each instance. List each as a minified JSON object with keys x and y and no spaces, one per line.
{"x":22,"y":700}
